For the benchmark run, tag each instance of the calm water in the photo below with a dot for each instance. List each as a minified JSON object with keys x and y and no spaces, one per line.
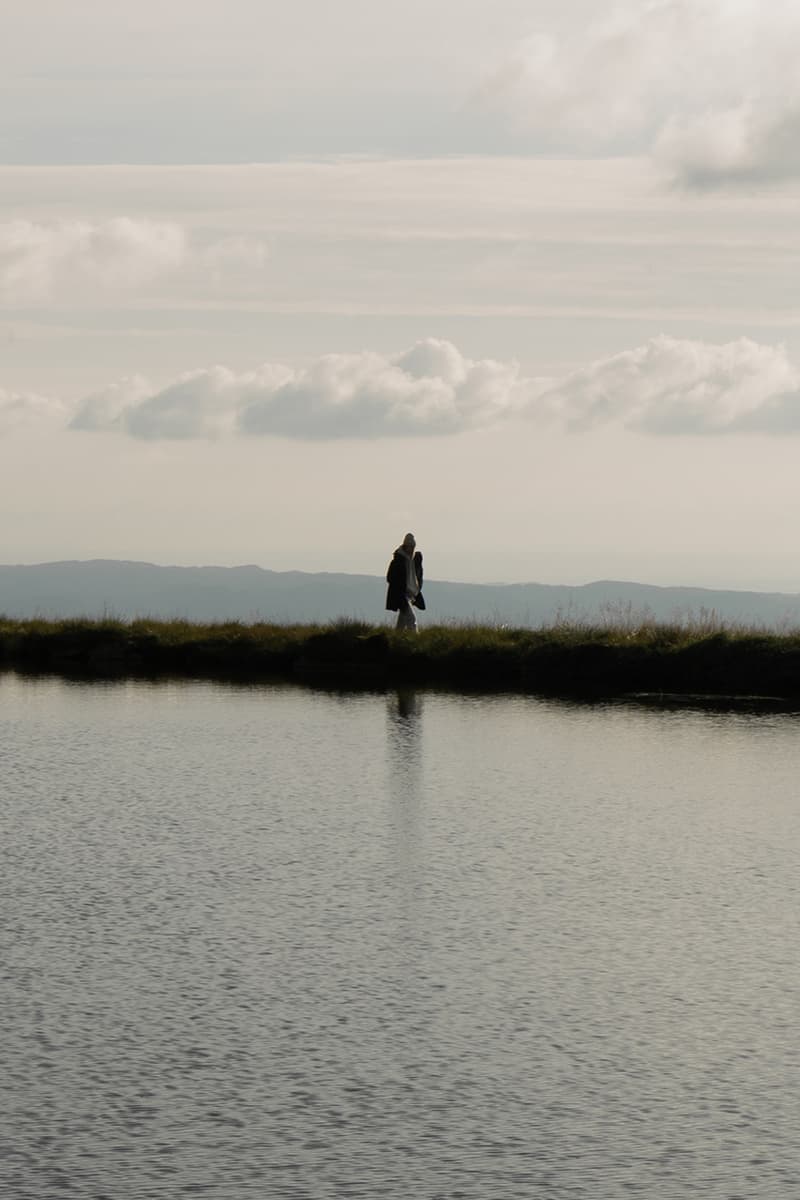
{"x":276,"y":943}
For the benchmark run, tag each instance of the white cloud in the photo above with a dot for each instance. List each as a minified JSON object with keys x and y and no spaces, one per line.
{"x":198,"y":404}
{"x":20,"y":410}
{"x":753,"y":140}
{"x":429,"y":389}
{"x":665,"y":387}
{"x":203,"y":403}
{"x":42,"y":262}
{"x":104,"y":410}
{"x":81,"y":261}
{"x":709,"y":86}
{"x":673,"y":386}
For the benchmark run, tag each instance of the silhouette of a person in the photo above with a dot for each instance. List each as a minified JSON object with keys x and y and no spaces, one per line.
{"x":404,"y":578}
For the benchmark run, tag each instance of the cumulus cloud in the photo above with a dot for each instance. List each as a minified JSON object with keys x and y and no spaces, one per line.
{"x":41,"y":262}
{"x":20,"y":410}
{"x":748,"y":142}
{"x":676,"y":386}
{"x":710,"y":87}
{"x":80,"y":260}
{"x":665,"y":387}
{"x":429,"y":389}
{"x":103,"y":411}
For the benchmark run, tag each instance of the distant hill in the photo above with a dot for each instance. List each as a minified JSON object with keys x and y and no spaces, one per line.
{"x":130,"y":589}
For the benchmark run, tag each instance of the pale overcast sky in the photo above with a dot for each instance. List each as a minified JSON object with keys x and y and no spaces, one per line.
{"x":279,"y":282}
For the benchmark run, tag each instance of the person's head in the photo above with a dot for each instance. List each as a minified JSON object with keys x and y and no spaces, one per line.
{"x":409,"y":543}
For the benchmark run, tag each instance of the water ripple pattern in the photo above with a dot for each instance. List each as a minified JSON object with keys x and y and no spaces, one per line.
{"x":271,"y":942}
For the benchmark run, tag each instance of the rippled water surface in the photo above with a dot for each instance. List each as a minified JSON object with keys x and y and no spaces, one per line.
{"x":278,"y":943}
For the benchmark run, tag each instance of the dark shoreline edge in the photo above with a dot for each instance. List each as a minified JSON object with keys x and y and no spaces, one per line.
{"x":649,"y":662}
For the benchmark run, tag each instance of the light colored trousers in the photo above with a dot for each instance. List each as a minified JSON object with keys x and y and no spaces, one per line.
{"x":406,"y":617}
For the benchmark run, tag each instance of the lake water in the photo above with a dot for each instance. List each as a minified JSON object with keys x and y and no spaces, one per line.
{"x":273,"y":942}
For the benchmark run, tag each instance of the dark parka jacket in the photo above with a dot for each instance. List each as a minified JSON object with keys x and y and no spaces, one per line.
{"x":396,"y":579}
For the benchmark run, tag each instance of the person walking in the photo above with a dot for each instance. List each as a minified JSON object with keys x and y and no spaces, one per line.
{"x":404,"y":578}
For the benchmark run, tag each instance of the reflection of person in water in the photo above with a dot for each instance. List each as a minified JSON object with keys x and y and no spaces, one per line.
{"x":404,"y":709}
{"x":407,"y":704}
{"x":404,"y":788}
{"x":404,"y":578}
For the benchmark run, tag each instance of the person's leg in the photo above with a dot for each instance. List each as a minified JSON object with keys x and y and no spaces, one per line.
{"x":406,"y":618}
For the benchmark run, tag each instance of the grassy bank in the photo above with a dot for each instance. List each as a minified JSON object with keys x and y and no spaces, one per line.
{"x":580,"y":660}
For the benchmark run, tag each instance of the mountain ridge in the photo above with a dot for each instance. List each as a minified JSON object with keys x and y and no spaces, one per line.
{"x":128,"y":588}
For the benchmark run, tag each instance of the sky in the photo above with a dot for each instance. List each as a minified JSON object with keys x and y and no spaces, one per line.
{"x":279,"y":283}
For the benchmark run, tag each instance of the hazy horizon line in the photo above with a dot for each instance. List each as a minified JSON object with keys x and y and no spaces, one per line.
{"x":520,"y":583}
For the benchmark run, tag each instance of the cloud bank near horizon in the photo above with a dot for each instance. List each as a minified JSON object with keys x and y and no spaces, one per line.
{"x":665,"y":387}
{"x":709,"y":88}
